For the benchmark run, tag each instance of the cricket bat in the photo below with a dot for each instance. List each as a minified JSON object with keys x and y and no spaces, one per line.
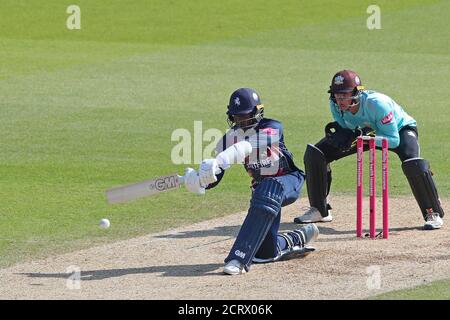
{"x":234,"y":154}
{"x":144,"y":189}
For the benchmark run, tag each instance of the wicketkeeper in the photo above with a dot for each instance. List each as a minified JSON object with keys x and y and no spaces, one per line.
{"x":276,"y":182}
{"x":357,"y":111}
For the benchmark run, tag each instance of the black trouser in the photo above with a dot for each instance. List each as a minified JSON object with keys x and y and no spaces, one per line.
{"x":407,"y":149}
{"x":420,"y":177}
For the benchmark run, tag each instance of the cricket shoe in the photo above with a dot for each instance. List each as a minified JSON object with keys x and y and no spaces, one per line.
{"x":234,"y":267}
{"x":313,"y":215}
{"x":433,"y":221}
{"x":297,"y":243}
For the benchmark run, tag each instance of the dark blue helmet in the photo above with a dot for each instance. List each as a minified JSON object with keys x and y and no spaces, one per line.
{"x":245,"y":101}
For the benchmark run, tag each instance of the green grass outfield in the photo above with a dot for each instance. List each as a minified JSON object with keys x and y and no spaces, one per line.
{"x":438,"y":290}
{"x":88,"y":109}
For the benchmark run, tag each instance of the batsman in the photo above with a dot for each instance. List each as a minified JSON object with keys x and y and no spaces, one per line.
{"x":356,"y":112}
{"x":276,"y":182}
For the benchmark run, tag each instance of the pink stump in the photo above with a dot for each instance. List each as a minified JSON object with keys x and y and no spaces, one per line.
{"x":372,"y":186}
{"x":359,"y":185}
{"x":385,"y":183}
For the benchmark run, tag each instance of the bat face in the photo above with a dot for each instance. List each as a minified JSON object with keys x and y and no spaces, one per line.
{"x":143,"y":189}
{"x":147,"y":188}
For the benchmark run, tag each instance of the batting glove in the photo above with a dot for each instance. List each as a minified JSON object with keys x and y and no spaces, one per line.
{"x":207,"y":171}
{"x":192,"y":181}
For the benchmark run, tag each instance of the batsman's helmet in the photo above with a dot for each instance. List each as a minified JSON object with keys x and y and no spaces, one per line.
{"x":346,"y":81}
{"x":245,"y":101}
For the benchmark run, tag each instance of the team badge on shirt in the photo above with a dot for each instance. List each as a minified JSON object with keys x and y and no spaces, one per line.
{"x":388,"y":118}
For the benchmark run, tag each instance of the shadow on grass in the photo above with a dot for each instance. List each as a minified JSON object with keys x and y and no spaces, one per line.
{"x":196,"y":270}
{"x":232,"y":231}
{"x":352,"y":233}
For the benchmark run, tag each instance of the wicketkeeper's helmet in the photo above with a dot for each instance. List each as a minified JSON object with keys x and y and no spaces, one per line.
{"x":346,"y":81}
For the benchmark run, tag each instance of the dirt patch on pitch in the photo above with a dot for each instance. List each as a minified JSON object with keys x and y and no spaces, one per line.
{"x":187,"y":263}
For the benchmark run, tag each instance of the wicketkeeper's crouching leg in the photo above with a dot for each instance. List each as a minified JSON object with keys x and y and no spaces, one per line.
{"x":420,"y":178}
{"x":318,"y":181}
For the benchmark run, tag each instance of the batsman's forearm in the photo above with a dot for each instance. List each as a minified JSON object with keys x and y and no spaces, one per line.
{"x":235,"y":154}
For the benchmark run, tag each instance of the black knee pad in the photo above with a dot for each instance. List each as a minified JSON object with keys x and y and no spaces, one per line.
{"x":317,"y":178}
{"x":420,"y":178}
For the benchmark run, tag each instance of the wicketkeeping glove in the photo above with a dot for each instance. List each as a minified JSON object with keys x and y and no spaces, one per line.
{"x":366,"y":131}
{"x":341,"y":138}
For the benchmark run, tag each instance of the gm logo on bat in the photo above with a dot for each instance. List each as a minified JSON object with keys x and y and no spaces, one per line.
{"x":162,"y":184}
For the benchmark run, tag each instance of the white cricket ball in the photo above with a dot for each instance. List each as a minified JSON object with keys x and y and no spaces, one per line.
{"x":104,"y":224}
